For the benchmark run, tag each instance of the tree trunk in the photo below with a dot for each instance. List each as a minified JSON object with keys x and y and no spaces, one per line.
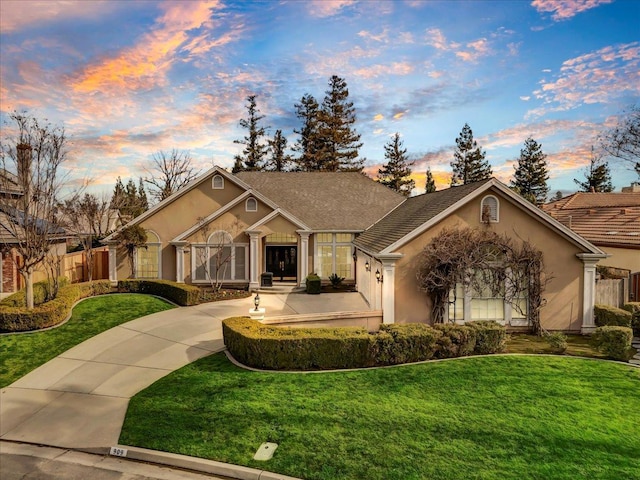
{"x":28,"y":280}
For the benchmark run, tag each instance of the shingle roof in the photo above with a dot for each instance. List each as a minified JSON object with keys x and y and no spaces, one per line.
{"x":412,"y":214}
{"x":608,"y":219}
{"x":326,"y":200}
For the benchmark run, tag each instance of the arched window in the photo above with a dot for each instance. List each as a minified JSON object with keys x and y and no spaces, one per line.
{"x":220,"y":260}
{"x":217,"y":183}
{"x":251,"y":205}
{"x":148,"y":259}
{"x":490,"y":210}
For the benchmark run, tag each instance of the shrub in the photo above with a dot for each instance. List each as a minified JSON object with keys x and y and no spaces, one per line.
{"x":49,"y":314}
{"x":614,"y":341}
{"x":455,"y":341}
{"x":490,"y":337}
{"x":40,"y":294}
{"x":607,"y":315}
{"x":314,"y":284}
{"x":411,"y":342}
{"x":634,"y":309}
{"x":335,"y":280}
{"x":179,"y":293}
{"x":557,"y":342}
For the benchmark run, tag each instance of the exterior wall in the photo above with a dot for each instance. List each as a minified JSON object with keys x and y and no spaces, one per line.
{"x":625,"y":258}
{"x":563,"y":294}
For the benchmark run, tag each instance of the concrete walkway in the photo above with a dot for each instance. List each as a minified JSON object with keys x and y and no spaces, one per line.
{"x":79,"y":399}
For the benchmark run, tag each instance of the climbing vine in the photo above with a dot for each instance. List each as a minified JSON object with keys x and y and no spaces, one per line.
{"x":482,"y":260}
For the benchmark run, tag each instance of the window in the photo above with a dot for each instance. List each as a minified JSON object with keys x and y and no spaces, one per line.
{"x":280,"y":237}
{"x":489,"y":210}
{"x":217,"y":183}
{"x":219,"y":259}
{"x":465,"y":304}
{"x":251,"y":205}
{"x":148,"y":259}
{"x":334,"y":254}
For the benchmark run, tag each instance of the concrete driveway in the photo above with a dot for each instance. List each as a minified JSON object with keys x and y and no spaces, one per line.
{"x":79,"y":399}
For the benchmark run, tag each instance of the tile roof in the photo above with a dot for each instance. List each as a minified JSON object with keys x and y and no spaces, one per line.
{"x":607,"y":219}
{"x":326,"y":200}
{"x":412,"y":214}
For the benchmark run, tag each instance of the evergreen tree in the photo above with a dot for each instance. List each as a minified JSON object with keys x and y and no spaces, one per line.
{"x":308,"y":145}
{"x":340,"y":141}
{"x":429,"y":184}
{"x":396,"y":173}
{"x":277,"y":148}
{"x":557,"y":196}
{"x":598,"y":176}
{"x":531,"y":173}
{"x":143,"y":202}
{"x":469,"y":164}
{"x":255,"y":150}
{"x":117,"y":199}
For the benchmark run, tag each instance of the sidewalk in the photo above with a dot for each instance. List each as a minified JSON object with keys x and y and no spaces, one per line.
{"x":79,"y":399}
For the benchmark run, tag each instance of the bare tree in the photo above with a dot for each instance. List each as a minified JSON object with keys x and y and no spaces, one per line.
{"x":31,"y":159}
{"x":215,"y":258}
{"x":623,"y":141}
{"x":88,"y":217}
{"x":169,"y":172}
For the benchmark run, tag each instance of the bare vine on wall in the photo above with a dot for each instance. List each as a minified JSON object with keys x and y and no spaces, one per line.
{"x":483,"y":260}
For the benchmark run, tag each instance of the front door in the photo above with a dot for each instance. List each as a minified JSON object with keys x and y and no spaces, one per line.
{"x":282,"y":261}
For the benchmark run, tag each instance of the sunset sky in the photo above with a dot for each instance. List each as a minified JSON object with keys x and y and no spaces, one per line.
{"x":131,"y":78}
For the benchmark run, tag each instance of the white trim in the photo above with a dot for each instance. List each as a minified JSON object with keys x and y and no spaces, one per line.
{"x":589,"y":290}
{"x":303,"y":256}
{"x":283,"y":213}
{"x":254,"y":238}
{"x":491,"y":219}
{"x":113,"y":264}
{"x":246,"y":205}
{"x":389,"y":286}
{"x":527,"y":206}
{"x":334,"y":243}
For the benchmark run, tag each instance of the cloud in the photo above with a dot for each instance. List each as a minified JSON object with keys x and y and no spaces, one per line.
{"x":436,"y":39}
{"x":396,"y":68}
{"x":327,"y":8}
{"x":597,"y":77}
{"x":565,"y":9}
{"x":525,"y":98}
{"x":476,"y":50}
{"x":382,"y":37}
{"x":516,"y":135}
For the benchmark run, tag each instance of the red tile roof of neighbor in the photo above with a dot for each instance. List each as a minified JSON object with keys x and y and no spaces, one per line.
{"x":608,"y":219}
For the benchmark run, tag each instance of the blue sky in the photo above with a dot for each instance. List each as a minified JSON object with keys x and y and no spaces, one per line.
{"x":130,"y":78}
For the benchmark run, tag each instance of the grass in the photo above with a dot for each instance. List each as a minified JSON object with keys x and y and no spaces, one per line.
{"x":477,"y":418}
{"x":21,"y":353}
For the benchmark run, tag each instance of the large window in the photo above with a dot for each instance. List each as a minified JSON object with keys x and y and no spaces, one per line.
{"x":467,"y":304}
{"x":334,"y":254}
{"x":220,"y":260}
{"x":148,"y":259}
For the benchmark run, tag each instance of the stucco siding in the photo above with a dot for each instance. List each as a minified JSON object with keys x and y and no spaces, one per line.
{"x":626,"y":258}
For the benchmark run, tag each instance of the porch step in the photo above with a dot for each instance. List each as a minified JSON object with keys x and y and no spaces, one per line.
{"x":280,"y":289}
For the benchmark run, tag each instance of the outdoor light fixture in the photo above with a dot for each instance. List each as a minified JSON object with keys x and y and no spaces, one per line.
{"x":256,"y":301}
{"x":378,"y":276}
{"x":367,"y":267}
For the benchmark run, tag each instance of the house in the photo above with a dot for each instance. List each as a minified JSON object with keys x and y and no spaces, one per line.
{"x":296,"y":223}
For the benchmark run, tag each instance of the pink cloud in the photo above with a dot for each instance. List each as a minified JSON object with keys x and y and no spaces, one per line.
{"x":397,"y":68}
{"x":327,"y":8}
{"x":565,"y":9}
{"x":477,"y":49}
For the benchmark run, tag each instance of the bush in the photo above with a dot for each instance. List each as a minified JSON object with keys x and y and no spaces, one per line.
{"x":490,"y":337}
{"x":607,"y":315}
{"x":613,"y":341}
{"x":40,"y":294}
{"x":49,"y":314}
{"x":557,"y":342}
{"x":411,"y":342}
{"x":180,"y":293}
{"x":634,"y":309}
{"x":314,"y":284}
{"x":335,"y":280}
{"x":455,"y":341}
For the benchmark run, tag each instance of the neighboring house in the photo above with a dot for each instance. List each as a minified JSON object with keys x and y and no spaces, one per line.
{"x":296,"y":223}
{"x":10,"y":279}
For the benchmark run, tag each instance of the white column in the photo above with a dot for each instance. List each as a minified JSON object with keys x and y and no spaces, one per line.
{"x":388,"y":286}
{"x":589,"y":290}
{"x":113,"y":265}
{"x":254,"y":242}
{"x":179,"y":261}
{"x":303,"y":257}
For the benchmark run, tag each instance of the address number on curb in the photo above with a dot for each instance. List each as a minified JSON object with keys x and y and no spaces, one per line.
{"x":118,"y":452}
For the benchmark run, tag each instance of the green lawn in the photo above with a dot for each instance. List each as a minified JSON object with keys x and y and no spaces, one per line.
{"x":21,"y":353}
{"x":519,"y":417}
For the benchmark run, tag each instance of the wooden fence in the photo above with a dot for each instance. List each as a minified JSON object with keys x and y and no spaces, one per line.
{"x":614,"y":292}
{"x":74,"y":265}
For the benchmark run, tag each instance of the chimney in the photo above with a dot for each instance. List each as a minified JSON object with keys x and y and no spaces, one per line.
{"x":634,"y":188}
{"x":23,"y":160}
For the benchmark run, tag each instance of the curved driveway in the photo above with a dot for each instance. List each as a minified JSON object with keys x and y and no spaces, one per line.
{"x":79,"y":399}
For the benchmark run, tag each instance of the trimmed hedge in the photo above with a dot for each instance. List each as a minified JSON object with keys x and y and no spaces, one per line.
{"x":608,"y":315}
{"x":490,"y":336}
{"x":614,"y":341}
{"x":180,"y":293}
{"x":40,"y":294}
{"x":280,"y":348}
{"x":19,"y":319}
{"x":634,"y":309}
{"x":314,"y":284}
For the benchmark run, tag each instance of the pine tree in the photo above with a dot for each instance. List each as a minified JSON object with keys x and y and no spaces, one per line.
{"x":396,"y":173}
{"x":340,"y":141}
{"x":143,"y":202}
{"x":469,"y":164}
{"x":598,"y":176}
{"x":531,"y":173}
{"x":277,"y":148}
{"x":308,"y":145}
{"x":429,"y":184}
{"x":557,"y":196}
{"x":255,"y":150}
{"x":117,"y":199}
